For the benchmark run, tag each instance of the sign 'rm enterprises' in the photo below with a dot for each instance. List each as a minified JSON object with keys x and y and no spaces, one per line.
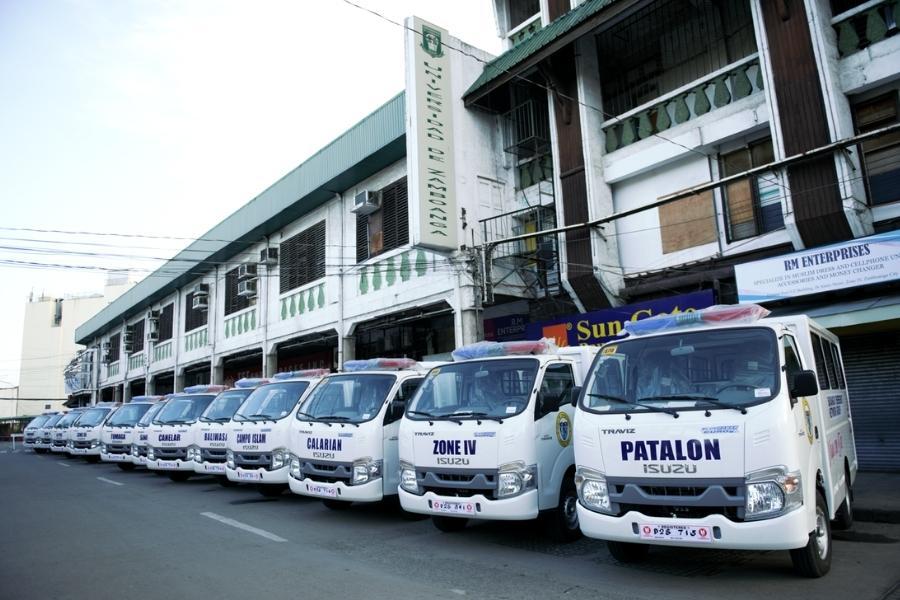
{"x":429,"y":105}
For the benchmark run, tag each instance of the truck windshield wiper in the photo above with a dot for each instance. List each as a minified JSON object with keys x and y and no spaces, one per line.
{"x":260,"y":417}
{"x":476,"y":415}
{"x":306,"y":414}
{"x":215,"y":420}
{"x":338,"y":418}
{"x":649,"y":407}
{"x":699,"y":397}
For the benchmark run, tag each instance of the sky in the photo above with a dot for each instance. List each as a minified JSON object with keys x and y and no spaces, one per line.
{"x":161,"y":118}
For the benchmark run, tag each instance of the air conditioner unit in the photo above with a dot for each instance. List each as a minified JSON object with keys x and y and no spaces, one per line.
{"x":200,"y":302}
{"x":247,"y":271}
{"x":366,"y":202}
{"x":201,"y":289}
{"x":153,"y":315}
{"x":268,"y":256}
{"x":104,"y":347}
{"x":153,"y":335}
{"x":247,"y":288}
{"x":127,"y":347}
{"x":128,"y":335}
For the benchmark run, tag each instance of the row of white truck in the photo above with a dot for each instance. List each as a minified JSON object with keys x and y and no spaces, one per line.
{"x":718,"y":428}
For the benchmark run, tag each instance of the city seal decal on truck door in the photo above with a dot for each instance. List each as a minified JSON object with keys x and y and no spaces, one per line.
{"x":563,"y":429}
{"x":807,"y":413}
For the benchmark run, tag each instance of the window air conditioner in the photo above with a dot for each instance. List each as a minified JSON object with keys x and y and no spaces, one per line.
{"x":366,"y":202}
{"x":268,"y":256}
{"x":128,"y":335}
{"x":201,"y":289}
{"x":153,"y":335}
{"x":247,"y":271}
{"x":153,"y":315}
{"x":247,"y":288}
{"x":200,"y":302}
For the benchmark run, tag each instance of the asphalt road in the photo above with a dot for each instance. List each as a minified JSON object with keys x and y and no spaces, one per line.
{"x":69,"y":529}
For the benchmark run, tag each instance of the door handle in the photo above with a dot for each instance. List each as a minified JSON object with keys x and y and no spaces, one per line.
{"x":816,"y":430}
{"x":546,"y":436}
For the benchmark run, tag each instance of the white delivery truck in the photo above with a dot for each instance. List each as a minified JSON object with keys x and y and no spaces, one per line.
{"x":258,"y":433}
{"x":84,"y":433}
{"x":43,"y":437}
{"x":344,"y":440}
{"x":139,"y":445}
{"x":489,"y":437}
{"x":60,"y":434}
{"x":211,"y":433}
{"x":30,"y":434}
{"x":117,"y":434}
{"x":717,"y":429}
{"x":172,"y":430}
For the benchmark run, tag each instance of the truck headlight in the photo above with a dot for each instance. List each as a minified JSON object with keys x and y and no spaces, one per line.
{"x":229,"y":459}
{"x":280,"y":458}
{"x":95,"y":443}
{"x":296,"y":473}
{"x":365,"y":470}
{"x":593,"y":492}
{"x":103,"y":448}
{"x":193,"y":453}
{"x":408,"y":479}
{"x":515,"y":478}
{"x":134,"y":450}
{"x":771,"y":492}
{"x":150,"y":454}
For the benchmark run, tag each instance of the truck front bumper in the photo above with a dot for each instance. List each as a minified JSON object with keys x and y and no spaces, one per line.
{"x":209,"y":468}
{"x":115,"y":458}
{"x":242,"y":475}
{"x":372,"y":491}
{"x":170,"y":465}
{"x":518,"y":508}
{"x":95,"y":451}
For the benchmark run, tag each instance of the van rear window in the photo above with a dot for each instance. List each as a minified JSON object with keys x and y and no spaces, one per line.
{"x":821,"y":370}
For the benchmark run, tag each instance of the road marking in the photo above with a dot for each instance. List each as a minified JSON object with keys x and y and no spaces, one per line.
{"x":64,"y":464}
{"x":110,"y":481}
{"x":244,"y":526}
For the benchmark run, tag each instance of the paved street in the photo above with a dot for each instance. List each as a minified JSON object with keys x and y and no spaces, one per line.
{"x":75,"y":530}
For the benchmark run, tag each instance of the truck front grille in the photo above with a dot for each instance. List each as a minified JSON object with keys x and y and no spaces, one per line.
{"x":688,"y":498}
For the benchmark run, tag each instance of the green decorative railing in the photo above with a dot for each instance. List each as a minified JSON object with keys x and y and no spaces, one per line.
{"x":306,"y":300}
{"x":392,"y":271}
{"x":865,"y":25}
{"x":135,"y":361}
{"x":526,"y":32}
{"x":535,"y":171}
{"x":240,"y":324}
{"x":196,"y":339}
{"x":718,"y":90}
{"x":112,"y":369}
{"x":162,"y":351}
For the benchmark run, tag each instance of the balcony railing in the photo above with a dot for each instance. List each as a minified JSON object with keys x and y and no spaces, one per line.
{"x":525,"y":30}
{"x":527,"y":129}
{"x":866,"y":24}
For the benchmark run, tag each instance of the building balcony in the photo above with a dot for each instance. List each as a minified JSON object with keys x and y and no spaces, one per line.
{"x":865,"y":25}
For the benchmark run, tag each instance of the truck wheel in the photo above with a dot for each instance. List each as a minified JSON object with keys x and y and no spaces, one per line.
{"x":93,"y":459}
{"x":449,"y":524}
{"x":843,"y":519}
{"x":126,"y":466}
{"x":179,"y":476}
{"x":271,"y":490}
{"x":626,"y":552}
{"x":814,"y":559}
{"x":336,"y":504}
{"x":225,"y":482}
{"x":561,"y":523}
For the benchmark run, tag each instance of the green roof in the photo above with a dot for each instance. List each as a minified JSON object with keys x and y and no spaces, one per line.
{"x":366,"y":148}
{"x":515,"y":56}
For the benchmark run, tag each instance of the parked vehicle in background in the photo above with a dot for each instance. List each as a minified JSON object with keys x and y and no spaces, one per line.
{"x":84,"y":433}
{"x":30,"y":433}
{"x":259,"y":431}
{"x":343,"y":441}
{"x":43,"y":436}
{"x":117,"y":434}
{"x":489,"y":437}
{"x":139,"y":436}
{"x":171,"y":431}
{"x":758,"y":458}
{"x":61,"y":430}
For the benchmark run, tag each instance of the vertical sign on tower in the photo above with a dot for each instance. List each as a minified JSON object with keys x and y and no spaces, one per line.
{"x":429,"y":137}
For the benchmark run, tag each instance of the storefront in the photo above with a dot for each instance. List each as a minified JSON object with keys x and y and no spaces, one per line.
{"x":423,"y":333}
{"x":315,"y":351}
{"x":137,"y":387}
{"x":197,"y":374}
{"x":243,"y":364}
{"x":163,"y":383}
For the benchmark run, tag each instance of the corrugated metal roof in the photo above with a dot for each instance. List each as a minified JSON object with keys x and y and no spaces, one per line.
{"x":366,"y":148}
{"x":542,"y":38}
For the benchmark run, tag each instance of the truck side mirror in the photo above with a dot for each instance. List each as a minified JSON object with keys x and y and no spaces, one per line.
{"x":803,"y":383}
{"x":574,"y":393}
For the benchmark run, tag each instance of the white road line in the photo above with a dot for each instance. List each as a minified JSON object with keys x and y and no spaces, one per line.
{"x":104,"y":479}
{"x":244,"y":526}
{"x":64,"y":464}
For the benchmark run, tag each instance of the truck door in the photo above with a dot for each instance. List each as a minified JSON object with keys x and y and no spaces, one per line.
{"x":553,"y":431}
{"x":391,"y":429}
{"x":807,"y":414}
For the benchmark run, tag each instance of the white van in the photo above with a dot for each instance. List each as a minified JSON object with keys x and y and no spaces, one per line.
{"x":489,"y":437}
{"x":139,"y":437}
{"x":84,"y":433}
{"x":43,"y":436}
{"x":60,"y":432}
{"x":30,"y":433}
{"x":714,"y":429}
{"x":117,"y":434}
{"x":344,"y":440}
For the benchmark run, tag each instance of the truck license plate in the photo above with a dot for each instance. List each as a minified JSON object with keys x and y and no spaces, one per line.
{"x":118,"y":457}
{"x":453,"y":508}
{"x":214,"y":468}
{"x":249,"y":475}
{"x":322,"y":490}
{"x":679,"y":533}
{"x":167,"y":464}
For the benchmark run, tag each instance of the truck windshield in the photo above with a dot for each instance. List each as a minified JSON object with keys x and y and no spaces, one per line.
{"x":351,"y":398}
{"x":67,"y":419}
{"x":271,"y":402}
{"x":183,"y":409}
{"x":150,"y":414}
{"x":52,"y":421}
{"x":38,"y":421}
{"x":224,"y":406}
{"x":128,"y":415}
{"x":92,"y":417}
{"x":476,"y":389}
{"x":700,"y":369}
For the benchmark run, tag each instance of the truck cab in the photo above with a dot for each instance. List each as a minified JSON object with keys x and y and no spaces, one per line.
{"x":117,"y":434}
{"x":84,"y":433}
{"x":60,"y":433}
{"x":209,"y":447}
{"x":709,"y":430}
{"x":43,"y":436}
{"x":172,"y":430}
{"x":30,"y":433}
{"x":344,"y":438}
{"x":257,"y":445}
{"x":141,"y":433}
{"x":489,"y":437}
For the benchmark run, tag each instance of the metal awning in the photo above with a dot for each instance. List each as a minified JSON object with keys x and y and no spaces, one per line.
{"x":850,"y":313}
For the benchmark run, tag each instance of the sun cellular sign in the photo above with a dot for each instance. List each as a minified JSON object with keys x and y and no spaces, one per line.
{"x":430,"y":141}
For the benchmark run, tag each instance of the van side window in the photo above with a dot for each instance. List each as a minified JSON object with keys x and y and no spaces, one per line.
{"x":408,"y":388}
{"x":838,"y":368}
{"x":829,"y":364}
{"x":791,"y":357}
{"x":558,"y":382}
{"x":821,"y":370}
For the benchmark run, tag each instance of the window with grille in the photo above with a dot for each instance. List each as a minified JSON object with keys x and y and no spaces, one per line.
{"x":166,"y":319}
{"x":881,"y":156}
{"x":233,"y":302}
{"x":137,"y":330}
{"x":386,"y":228}
{"x":753,"y":204}
{"x":193,"y":318}
{"x":302,"y":258}
{"x":115,"y":347}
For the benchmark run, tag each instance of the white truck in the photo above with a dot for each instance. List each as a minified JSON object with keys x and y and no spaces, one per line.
{"x":117,"y":434}
{"x":172,"y":430}
{"x":717,"y":429}
{"x":211,"y":433}
{"x":489,"y":437}
{"x":84,"y":433}
{"x":139,"y":437}
{"x":30,"y":433}
{"x":257,"y":445}
{"x":343,"y":443}
{"x":60,"y":432}
{"x":43,"y":437}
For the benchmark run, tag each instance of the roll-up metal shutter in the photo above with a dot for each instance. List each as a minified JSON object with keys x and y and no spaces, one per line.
{"x":872,"y":366}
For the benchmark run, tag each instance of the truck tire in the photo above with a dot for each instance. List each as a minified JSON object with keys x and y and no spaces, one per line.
{"x":626,"y":552}
{"x":449,"y":524}
{"x":271,"y":490}
{"x":814,"y":559}
{"x":180,"y":476}
{"x":561,"y":523}
{"x":843,"y":518}
{"x":225,"y":482}
{"x":336,"y":504}
{"x":126,"y":466}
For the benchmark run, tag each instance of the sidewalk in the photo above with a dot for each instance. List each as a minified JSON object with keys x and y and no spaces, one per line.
{"x":876,"y":497}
